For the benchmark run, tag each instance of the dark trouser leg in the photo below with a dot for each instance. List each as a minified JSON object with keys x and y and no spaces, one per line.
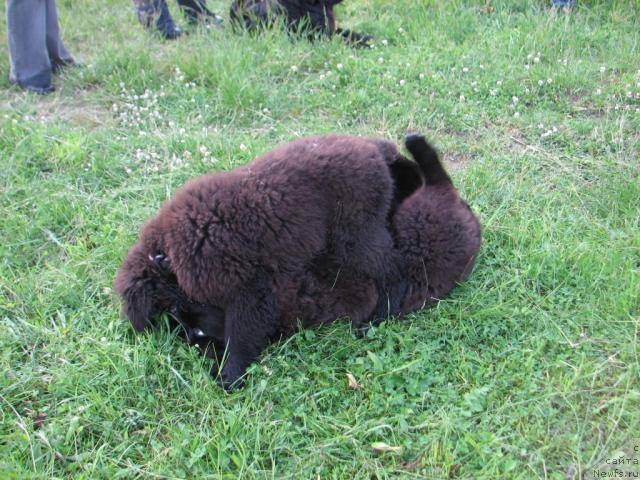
{"x":29,"y":59}
{"x":58,"y":54}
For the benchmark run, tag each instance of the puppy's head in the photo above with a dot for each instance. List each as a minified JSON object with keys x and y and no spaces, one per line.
{"x":147,"y":286}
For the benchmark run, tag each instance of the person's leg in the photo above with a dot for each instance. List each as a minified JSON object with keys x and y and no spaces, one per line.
{"x":29,"y":59}
{"x":58,"y":54}
{"x":157,"y":11}
{"x":196,"y":10}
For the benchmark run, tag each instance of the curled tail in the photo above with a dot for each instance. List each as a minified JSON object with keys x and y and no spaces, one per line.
{"x":427,"y":158}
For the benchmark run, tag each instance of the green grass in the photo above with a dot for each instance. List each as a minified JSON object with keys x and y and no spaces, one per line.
{"x":529,"y":370}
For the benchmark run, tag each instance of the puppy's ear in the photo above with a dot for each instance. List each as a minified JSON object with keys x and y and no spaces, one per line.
{"x":139,"y":307}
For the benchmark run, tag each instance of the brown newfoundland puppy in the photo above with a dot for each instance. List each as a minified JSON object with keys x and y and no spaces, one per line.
{"x":229,"y":239}
{"x":312,"y":16}
{"x":437,"y":238}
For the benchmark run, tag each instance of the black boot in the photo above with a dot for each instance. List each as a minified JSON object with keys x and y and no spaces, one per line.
{"x":165,"y":24}
{"x":196,"y":10}
{"x":150,"y":11}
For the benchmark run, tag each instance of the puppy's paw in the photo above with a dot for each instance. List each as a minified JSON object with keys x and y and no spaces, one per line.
{"x":361,"y":330}
{"x":230,"y":378}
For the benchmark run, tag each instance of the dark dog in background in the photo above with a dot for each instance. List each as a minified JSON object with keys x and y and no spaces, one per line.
{"x":437,"y":239}
{"x":227,"y":239}
{"x":312,"y":16}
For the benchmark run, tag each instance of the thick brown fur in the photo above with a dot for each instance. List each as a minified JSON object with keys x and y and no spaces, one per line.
{"x":230,"y":239}
{"x":312,"y":16}
{"x":436,"y":232}
{"x":437,"y":240}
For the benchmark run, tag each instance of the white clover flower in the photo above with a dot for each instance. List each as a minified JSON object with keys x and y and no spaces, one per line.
{"x":493,"y":92}
{"x":598,"y":91}
{"x":243,"y":147}
{"x":339,"y":66}
{"x":540,"y":82}
{"x":514,"y":99}
{"x":527,"y":67}
{"x":516,"y":114}
{"x":402,"y":83}
{"x":465,"y":69}
{"x":422,"y":76}
{"x":385,"y":42}
{"x":401,"y":30}
{"x":294,"y":68}
{"x":462,"y":99}
{"x":499,"y":82}
{"x":603,"y":69}
{"x":380,"y":60}
{"x":530,"y":56}
{"x":549,"y":80}
{"x":536,"y":60}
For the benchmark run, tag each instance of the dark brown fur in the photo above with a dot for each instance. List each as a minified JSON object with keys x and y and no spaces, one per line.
{"x":437,"y":239}
{"x":436,"y":233}
{"x":314,"y":16}
{"x":230,"y":239}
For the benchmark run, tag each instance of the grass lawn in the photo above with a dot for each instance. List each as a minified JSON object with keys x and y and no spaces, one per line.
{"x":529,"y":370}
